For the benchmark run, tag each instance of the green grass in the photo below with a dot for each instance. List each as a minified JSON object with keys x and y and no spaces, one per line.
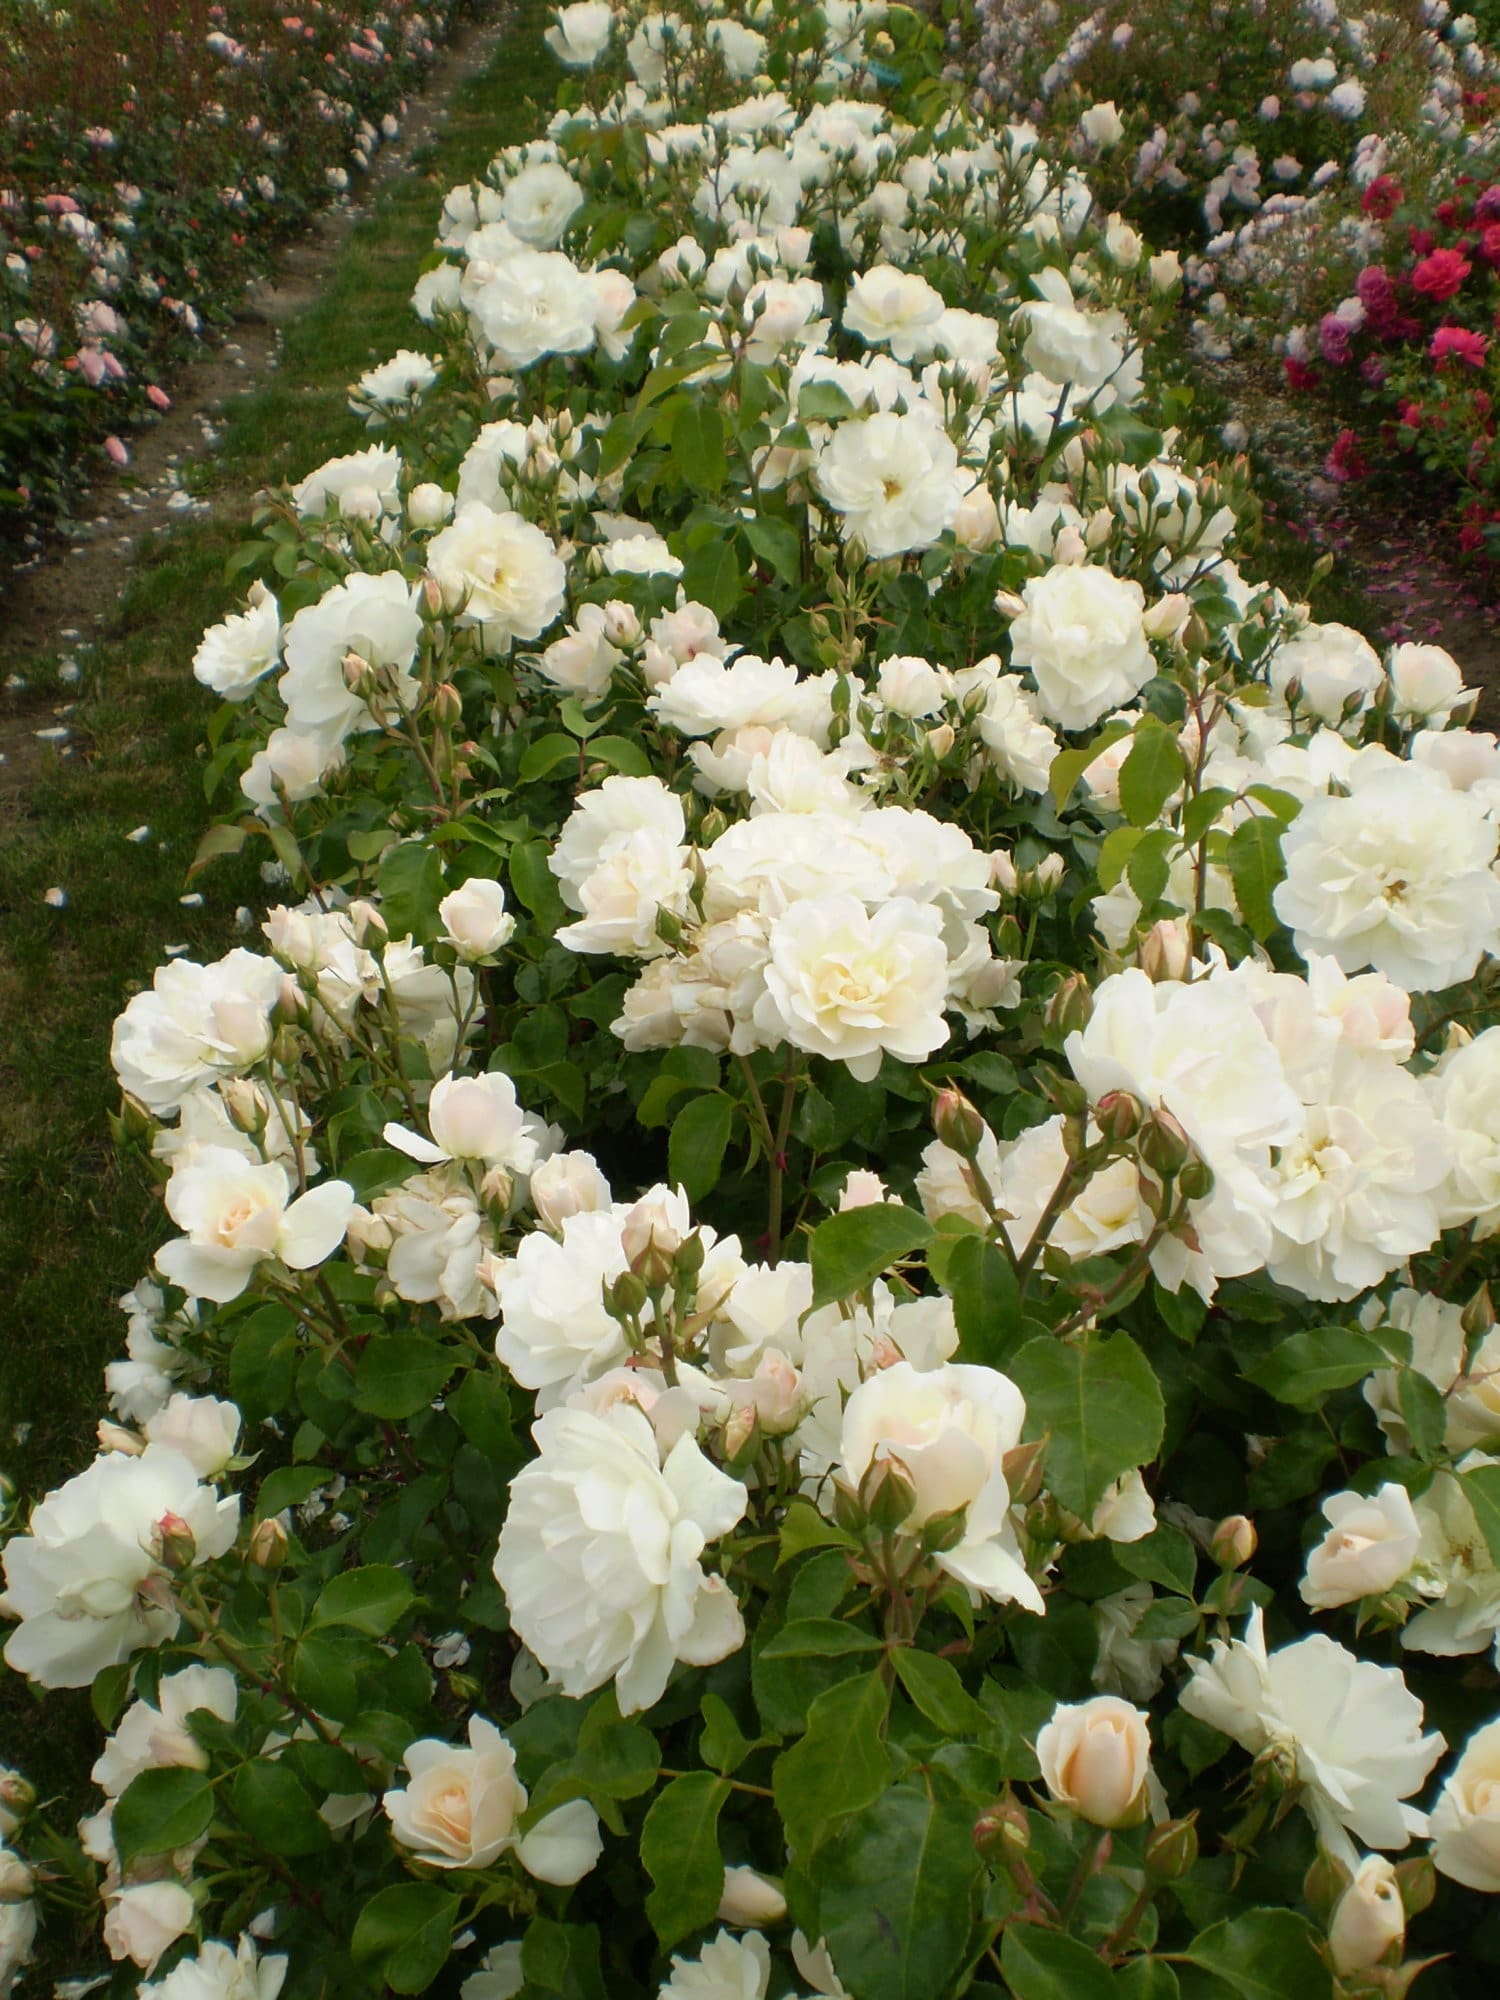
{"x":78,"y":1223}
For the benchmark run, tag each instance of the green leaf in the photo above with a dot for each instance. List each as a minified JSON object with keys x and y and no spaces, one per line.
{"x":621,"y":754}
{"x":840,"y":1766}
{"x":1102,"y":1405}
{"x":695,"y":1147}
{"x":938,"y":1692}
{"x":545,"y":754}
{"x":107,"y":1695}
{"x":792,"y":1667}
{"x":411,"y":887}
{"x":1049,"y":1965}
{"x":819,"y":1638}
{"x":288,"y":1486}
{"x":405,"y":1934}
{"x":274,"y":1806}
{"x":1166,"y":1557}
{"x":714,"y":575}
{"x":804,"y":1528}
{"x":1264,"y":1955}
{"x":263,"y":1363}
{"x":680,"y":1852}
{"x":1153,"y":771}
{"x":373,"y":1600}
{"x":1481,"y":1489}
{"x":161,"y":1810}
{"x":850,"y":1250}
{"x":723,"y":1746}
{"x":986,"y":1302}
{"x":1146,"y":1979}
{"x":481,"y":1409}
{"x":1068,"y":766}
{"x":226,"y":838}
{"x":561,"y":1961}
{"x":535,"y":886}
{"x":698,"y":444}
{"x":1253,"y":855}
{"x":896,"y":1890}
{"x":777,"y":544}
{"x":1309,"y":1366}
{"x":399,"y":1374}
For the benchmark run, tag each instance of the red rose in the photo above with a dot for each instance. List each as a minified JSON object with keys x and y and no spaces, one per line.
{"x":1298,"y":374}
{"x":1382,"y":197}
{"x":1440,"y":274}
{"x":1457,"y":343}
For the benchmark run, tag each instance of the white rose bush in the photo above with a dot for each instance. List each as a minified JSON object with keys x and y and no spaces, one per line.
{"x":823,"y":1317}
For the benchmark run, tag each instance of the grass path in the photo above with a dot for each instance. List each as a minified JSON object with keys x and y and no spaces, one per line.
{"x":78,"y":1222}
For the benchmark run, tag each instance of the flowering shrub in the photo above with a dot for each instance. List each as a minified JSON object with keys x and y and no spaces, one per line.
{"x":147,"y":154}
{"x":823,"y":1324}
{"x":1233,"y":108}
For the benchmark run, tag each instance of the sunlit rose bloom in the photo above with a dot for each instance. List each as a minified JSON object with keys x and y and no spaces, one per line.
{"x":1066,"y":342}
{"x":369,"y":620}
{"x":537,"y":303}
{"x":607,"y":817}
{"x":1369,"y":1547}
{"x":400,"y":380}
{"x":143,"y":1919}
{"x":1330,"y":668}
{"x":1095,"y":1756}
{"x":540,"y":202}
{"x":1397,"y":875}
{"x":947,"y":1432}
{"x":474,"y":1118}
{"x":239,"y":651}
{"x":204,"y":1429}
{"x":1369,"y":1917}
{"x":219,"y":1973}
{"x":727,"y":1968}
{"x":1427,"y":684}
{"x":600,"y":1554}
{"x":896,"y":309}
{"x":581,"y":33}
{"x":76,"y":1578}
{"x":499,"y":573}
{"x":851,"y":986}
{"x":150,"y":1735}
{"x":475,"y":919}
{"x":196,"y":1023}
{"x":1353,"y":1728}
{"x":364,"y":486}
{"x":460,"y":1809}
{"x":292,"y":766}
{"x":583,"y":661}
{"x":1466,"y":1818}
{"x":236,"y":1214}
{"x":893,"y":480}
{"x":1007,"y":717}
{"x":1464,"y":1091}
{"x":1082,"y":637}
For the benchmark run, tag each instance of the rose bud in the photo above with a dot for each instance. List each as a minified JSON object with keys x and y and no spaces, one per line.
{"x":1096,"y":1757}
{"x":1370,"y":1917}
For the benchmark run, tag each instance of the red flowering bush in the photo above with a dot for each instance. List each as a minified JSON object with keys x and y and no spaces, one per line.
{"x":1408,"y":357}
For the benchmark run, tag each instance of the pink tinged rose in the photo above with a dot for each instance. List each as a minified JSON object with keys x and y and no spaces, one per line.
{"x":1459,"y":343}
{"x":116,"y":450}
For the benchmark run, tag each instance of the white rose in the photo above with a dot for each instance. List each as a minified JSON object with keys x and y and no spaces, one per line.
{"x":896,"y":309}
{"x":436,"y":291}
{"x":1166,"y":270}
{"x":893,"y":479}
{"x":499,"y":1975}
{"x":1397,"y":875}
{"x":18,"y":1927}
{"x":151,"y":1735}
{"x":1466,"y":1818}
{"x":472,"y":1118}
{"x":1334,"y":667}
{"x":75,"y":1578}
{"x":850,"y":986}
{"x":217,"y":1973}
{"x":498,"y":573}
{"x":475,"y":920}
{"x":140,"y":1922}
{"x":239,"y":651}
{"x":236,"y":1214}
{"x":461,"y":1806}
{"x":582,"y":33}
{"x":373,"y":619}
{"x":537,"y":303}
{"x":599,"y":1555}
{"x":1352,"y":1728}
{"x":641,"y":877}
{"x":406,"y":376}
{"x":1368,"y":1918}
{"x":947,"y":1431}
{"x":540,"y":202}
{"x":1081,"y":634}
{"x":196,"y":1023}
{"x":1369,"y":1547}
{"x":1427,"y":684}
{"x":567,"y":1184}
{"x":429,"y":505}
{"x":1096,"y":1757}
{"x":291,"y":764}
{"x":912,"y":687}
{"x":604,"y":818}
{"x":365,"y":485}
{"x":583,"y":660}
{"x":1464,"y":1091}
{"x":1102,"y":125}
{"x":1065,"y":343}
{"x":202,"y":1428}
{"x":727,"y":1968}
{"x":750,"y":1900}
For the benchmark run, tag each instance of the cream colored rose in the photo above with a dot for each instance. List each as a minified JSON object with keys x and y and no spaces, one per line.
{"x":1370,"y":1545}
{"x":475,"y":920}
{"x":461,"y":1806}
{"x":1096,"y":1757}
{"x":1369,"y":1918}
{"x":1466,"y":1819}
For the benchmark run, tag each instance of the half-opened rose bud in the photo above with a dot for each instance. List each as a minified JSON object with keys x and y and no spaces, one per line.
{"x":1096,"y":1757}
{"x":1370,"y":1917}
{"x":957,"y":1123}
{"x":1233,"y":1542}
{"x":173,"y":1543}
{"x":750,"y":1900}
{"x":567,"y":1184}
{"x":268,"y":1543}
